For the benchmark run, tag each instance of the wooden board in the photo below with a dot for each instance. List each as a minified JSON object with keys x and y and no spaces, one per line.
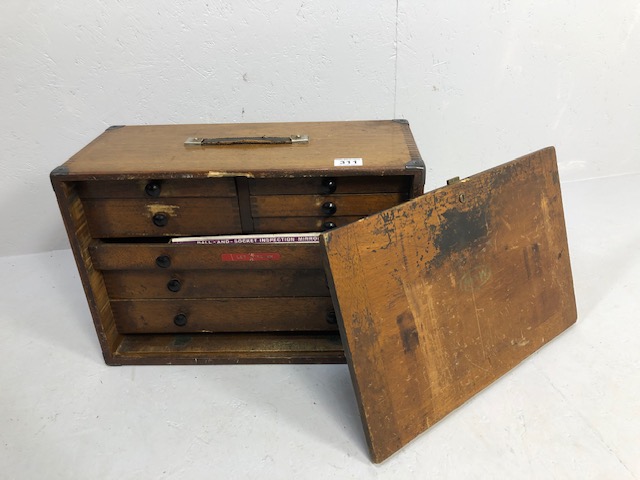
{"x":158,"y":151}
{"x":440,"y":296}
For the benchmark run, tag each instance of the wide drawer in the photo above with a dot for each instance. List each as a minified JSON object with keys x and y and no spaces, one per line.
{"x":215,"y":283}
{"x":175,"y":187}
{"x":224,"y":315}
{"x":129,"y":217}
{"x":323,"y":205}
{"x":170,"y":256}
{"x":329,"y":185}
{"x":301,"y":224}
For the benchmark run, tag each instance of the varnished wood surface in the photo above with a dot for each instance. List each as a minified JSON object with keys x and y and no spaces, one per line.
{"x":301,"y":224}
{"x":159,"y":151}
{"x":200,"y":283}
{"x":132,"y":256}
{"x":236,"y":348}
{"x":315,"y":186}
{"x":224,"y":315}
{"x":439,"y":297}
{"x":177,"y":187}
{"x":109,"y":218}
{"x":80,"y":238}
{"x":132,"y":217}
{"x":311,"y":205}
{"x":135,"y":256}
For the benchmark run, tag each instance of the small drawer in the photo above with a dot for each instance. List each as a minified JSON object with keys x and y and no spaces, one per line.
{"x":301,"y":224}
{"x":167,"y":256}
{"x":155,"y":188}
{"x":128,"y":217}
{"x":215,"y":283}
{"x":329,"y":185}
{"x":224,"y":315}
{"x":323,"y":205}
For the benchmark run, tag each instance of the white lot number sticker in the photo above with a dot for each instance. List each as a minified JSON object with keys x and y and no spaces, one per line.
{"x":347,"y":162}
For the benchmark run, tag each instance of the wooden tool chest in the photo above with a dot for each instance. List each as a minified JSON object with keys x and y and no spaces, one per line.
{"x":435,"y":296}
{"x":134,"y":188}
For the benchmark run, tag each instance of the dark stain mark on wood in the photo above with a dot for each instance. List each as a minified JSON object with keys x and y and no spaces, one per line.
{"x":526,"y":262}
{"x":408,"y":332}
{"x":537,"y":262}
{"x":458,"y":231}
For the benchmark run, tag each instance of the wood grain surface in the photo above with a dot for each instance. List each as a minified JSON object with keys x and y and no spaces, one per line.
{"x":241,"y":283}
{"x":130,"y":189}
{"x":311,"y":205}
{"x":440,"y":296}
{"x":158,"y":151}
{"x":224,"y":315}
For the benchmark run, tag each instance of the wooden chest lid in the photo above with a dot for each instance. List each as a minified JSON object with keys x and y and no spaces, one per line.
{"x":442,"y":295}
{"x":384,"y":146}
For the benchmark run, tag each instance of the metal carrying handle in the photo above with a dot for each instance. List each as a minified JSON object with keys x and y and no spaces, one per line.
{"x":201,"y":142}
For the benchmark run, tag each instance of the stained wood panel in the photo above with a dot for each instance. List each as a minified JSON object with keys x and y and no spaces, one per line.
{"x":224,"y":315}
{"x":143,"y":256}
{"x":240,"y":283}
{"x":312,"y":205}
{"x":224,"y":348}
{"x":153,"y":150}
{"x":131,"y":217}
{"x":439,"y":297}
{"x":176,"y":187}
{"x":317,"y":186}
{"x":301,"y":224}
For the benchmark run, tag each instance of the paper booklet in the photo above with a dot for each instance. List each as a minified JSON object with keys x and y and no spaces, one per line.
{"x":266,"y":238}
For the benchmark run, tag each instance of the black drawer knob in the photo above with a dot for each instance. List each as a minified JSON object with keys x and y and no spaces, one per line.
{"x":328,"y":226}
{"x":329,"y":208}
{"x":180,"y":320}
{"x":174,"y":285}
{"x":331,"y":317}
{"x":163,"y":261}
{"x":152,"y":189}
{"x":329,"y":185}
{"x":160,"y":219}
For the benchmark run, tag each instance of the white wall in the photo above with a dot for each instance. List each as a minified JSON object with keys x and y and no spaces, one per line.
{"x":481,"y":82}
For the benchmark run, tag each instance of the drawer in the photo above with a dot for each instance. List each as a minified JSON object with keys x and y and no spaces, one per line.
{"x":215,"y":283}
{"x":329,"y":185}
{"x":224,"y":315}
{"x":323,"y":205}
{"x":130,"y":217}
{"x":168,"y":256}
{"x":301,"y":224}
{"x":179,"y":187}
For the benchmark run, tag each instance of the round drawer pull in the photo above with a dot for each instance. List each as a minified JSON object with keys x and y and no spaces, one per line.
{"x":329,"y":208}
{"x":174,"y":285}
{"x":160,"y":219}
{"x":328,"y":226}
{"x":163,"y":261}
{"x":329,"y":185}
{"x":180,"y":320}
{"x":331,"y":317}
{"x":152,"y":189}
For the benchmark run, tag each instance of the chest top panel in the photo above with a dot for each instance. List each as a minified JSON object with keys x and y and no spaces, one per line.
{"x":159,"y":150}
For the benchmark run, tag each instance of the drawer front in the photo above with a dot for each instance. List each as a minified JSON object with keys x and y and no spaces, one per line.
{"x":215,"y":283}
{"x":130,"y":217}
{"x":167,"y":256}
{"x":322,"y":205}
{"x":224,"y":315}
{"x":329,"y":185}
{"x":301,"y":224}
{"x":180,"y":187}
